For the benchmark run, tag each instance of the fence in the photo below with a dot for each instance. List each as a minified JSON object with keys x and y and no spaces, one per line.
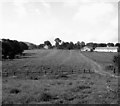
{"x":6,"y":74}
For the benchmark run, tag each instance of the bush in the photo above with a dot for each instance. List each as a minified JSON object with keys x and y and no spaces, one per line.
{"x":14,"y":91}
{"x":46,"y":96}
{"x":10,"y":48}
{"x":116,"y":61}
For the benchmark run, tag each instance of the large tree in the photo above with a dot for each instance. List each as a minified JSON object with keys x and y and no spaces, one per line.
{"x":110,"y":44}
{"x":10,"y":48}
{"x":82,"y":44}
{"x":48,"y":43}
{"x":57,"y":41}
{"x":117,"y":44}
{"x":70,"y":46}
{"x":41,"y":46}
{"x":23,"y":46}
{"x":64,"y":45}
{"x":78,"y":45}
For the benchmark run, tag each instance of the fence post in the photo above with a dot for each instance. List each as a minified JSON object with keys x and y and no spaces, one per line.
{"x":14,"y":73}
{"x":84,"y":70}
{"x":89,"y":70}
{"x":114,"y":70}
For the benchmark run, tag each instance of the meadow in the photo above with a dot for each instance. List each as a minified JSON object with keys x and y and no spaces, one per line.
{"x":59,"y":77}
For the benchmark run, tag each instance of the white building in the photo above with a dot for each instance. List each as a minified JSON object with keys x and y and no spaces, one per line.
{"x":106,"y":49}
{"x":86,"y":48}
{"x":46,"y":47}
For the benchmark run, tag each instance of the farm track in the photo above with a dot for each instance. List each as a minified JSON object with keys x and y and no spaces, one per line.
{"x":98,"y":68}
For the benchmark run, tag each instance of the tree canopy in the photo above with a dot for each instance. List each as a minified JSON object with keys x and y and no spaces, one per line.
{"x":11,"y":48}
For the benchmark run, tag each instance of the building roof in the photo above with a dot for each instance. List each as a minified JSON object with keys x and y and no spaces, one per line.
{"x":106,"y":48}
{"x":88,"y":47}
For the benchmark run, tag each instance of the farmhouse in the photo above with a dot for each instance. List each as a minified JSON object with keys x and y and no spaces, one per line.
{"x":87,"y":48}
{"x":46,"y":47}
{"x":106,"y":49}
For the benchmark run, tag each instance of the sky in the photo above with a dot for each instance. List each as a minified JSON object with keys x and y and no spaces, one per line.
{"x":70,"y":20}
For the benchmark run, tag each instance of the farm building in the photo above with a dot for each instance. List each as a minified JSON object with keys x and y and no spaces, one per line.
{"x":87,"y":48}
{"x":46,"y":47}
{"x":106,"y":49}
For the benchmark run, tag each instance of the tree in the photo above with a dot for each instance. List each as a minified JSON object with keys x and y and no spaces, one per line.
{"x":6,"y":48}
{"x":70,"y":46}
{"x":16,"y":46}
{"x":118,"y":48}
{"x":23,"y":46}
{"x":90,"y":44}
{"x":78,"y":45}
{"x":41,"y":46}
{"x":10,"y":48}
{"x":102,"y":45}
{"x":57,"y":41}
{"x":64,"y":45}
{"x":82,"y":44}
{"x":110,"y":44}
{"x":95,"y":45}
{"x":48,"y":43}
{"x":117,"y":44}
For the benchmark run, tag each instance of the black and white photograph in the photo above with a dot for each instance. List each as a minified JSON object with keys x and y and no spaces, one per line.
{"x":59,"y":52}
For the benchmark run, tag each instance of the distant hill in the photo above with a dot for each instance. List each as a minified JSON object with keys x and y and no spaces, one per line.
{"x":31,"y":45}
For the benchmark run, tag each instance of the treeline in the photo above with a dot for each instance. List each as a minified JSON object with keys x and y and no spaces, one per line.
{"x":59,"y":44}
{"x":11,"y":48}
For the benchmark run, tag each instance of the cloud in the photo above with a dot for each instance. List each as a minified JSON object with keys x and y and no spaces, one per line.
{"x":93,"y":12}
{"x":20,"y":8}
{"x":70,"y":20}
{"x":94,"y":1}
{"x":45,"y":4}
{"x":97,"y":21}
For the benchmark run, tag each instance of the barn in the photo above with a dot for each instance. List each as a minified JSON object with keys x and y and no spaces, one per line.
{"x":106,"y":49}
{"x":87,"y":48}
{"x":46,"y":47}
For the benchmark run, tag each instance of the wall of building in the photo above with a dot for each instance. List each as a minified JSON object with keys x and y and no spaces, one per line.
{"x":106,"y":50}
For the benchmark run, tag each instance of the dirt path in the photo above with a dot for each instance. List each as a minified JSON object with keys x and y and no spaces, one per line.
{"x":98,"y":68}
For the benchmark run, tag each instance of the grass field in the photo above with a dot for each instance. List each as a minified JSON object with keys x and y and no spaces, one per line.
{"x":59,"y":77}
{"x":101,"y":57}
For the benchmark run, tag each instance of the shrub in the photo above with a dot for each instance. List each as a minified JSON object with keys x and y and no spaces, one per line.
{"x":116,"y":61}
{"x":46,"y":97}
{"x":10,"y":48}
{"x":15,"y":91}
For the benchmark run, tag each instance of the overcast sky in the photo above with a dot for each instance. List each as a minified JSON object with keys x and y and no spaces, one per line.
{"x":71,"y":20}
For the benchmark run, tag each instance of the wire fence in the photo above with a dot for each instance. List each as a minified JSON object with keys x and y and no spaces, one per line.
{"x":43,"y":72}
{"x":5,"y":74}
